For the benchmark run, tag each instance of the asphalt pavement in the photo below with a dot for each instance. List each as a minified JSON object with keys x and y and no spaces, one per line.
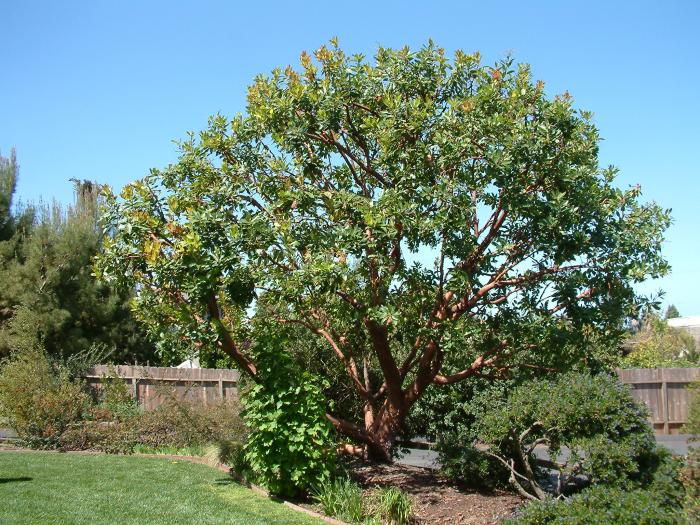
{"x":678,"y":444}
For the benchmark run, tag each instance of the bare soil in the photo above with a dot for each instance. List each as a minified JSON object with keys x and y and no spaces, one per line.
{"x":437,"y":500}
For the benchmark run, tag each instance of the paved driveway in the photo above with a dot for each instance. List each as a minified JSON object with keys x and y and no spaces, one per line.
{"x":429,"y":458}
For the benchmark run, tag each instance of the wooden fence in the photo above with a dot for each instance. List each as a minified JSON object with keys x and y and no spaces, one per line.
{"x":665,"y":392}
{"x":151,"y":385}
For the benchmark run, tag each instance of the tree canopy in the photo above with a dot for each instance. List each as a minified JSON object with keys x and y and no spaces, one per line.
{"x":428,"y":219}
{"x":48,"y":295}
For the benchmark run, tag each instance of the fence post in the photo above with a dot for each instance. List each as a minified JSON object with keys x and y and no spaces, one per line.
{"x":221,"y":388}
{"x":664,"y":403}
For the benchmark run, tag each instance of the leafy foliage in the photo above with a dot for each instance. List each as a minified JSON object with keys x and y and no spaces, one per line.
{"x":39,"y":402}
{"x":411,"y":212}
{"x":690,"y":476}
{"x":290,"y":447}
{"x":116,"y":426}
{"x":657,"y":345}
{"x":599,"y":506}
{"x":48,"y":295}
{"x":605,"y":430}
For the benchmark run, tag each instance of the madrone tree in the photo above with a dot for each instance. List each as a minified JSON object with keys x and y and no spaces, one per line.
{"x":412,"y":212}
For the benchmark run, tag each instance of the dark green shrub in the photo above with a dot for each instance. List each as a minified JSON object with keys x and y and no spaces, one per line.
{"x":601,"y":506}
{"x":690,"y":476}
{"x":594,"y":417}
{"x":462,"y":461}
{"x":39,"y":402}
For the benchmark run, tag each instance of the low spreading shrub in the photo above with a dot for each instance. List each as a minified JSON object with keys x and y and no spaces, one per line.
{"x":111,"y":437}
{"x":601,"y":506}
{"x":605,"y":431}
{"x":659,"y":501}
{"x":177,"y":428}
{"x":178,"y":423}
{"x":39,"y":401}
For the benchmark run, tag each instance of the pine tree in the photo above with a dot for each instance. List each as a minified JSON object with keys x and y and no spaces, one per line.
{"x":48,"y":295}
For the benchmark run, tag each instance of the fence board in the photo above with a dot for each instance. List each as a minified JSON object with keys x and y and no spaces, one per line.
{"x":665,"y":392}
{"x":152,"y":385}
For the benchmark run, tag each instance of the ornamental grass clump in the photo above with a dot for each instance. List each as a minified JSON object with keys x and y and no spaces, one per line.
{"x":342,"y":499}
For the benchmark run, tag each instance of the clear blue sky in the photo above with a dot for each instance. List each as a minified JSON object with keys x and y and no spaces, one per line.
{"x":99,"y":89}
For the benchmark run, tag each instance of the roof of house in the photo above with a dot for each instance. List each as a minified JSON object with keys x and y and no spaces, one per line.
{"x":690,"y":324}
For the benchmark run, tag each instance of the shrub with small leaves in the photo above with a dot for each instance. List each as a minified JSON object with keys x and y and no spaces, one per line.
{"x":601,"y":506}
{"x":38,"y":401}
{"x":182,"y":423}
{"x":606,"y":431}
{"x":116,"y":397}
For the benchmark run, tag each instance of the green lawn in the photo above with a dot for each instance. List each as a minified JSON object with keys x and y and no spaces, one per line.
{"x":49,"y":488}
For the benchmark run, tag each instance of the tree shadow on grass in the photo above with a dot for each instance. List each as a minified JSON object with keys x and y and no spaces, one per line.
{"x":12,"y":480}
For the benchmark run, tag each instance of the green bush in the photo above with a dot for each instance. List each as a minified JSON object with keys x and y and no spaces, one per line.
{"x":111,"y":437}
{"x":176,"y":427}
{"x":290,"y":447}
{"x":179,"y":423}
{"x":461,"y":460}
{"x":657,"y":345}
{"x":601,"y":506}
{"x":116,"y":397}
{"x":690,"y":476}
{"x":595,"y":417}
{"x":39,"y":402}
{"x":692,"y":426}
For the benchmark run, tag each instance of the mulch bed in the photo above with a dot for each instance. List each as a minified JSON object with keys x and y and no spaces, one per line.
{"x":437,"y":500}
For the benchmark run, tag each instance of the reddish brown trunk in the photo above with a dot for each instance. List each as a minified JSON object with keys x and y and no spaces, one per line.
{"x":383,"y":431}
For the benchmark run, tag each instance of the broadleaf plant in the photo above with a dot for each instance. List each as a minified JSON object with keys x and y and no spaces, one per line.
{"x":411,"y":212}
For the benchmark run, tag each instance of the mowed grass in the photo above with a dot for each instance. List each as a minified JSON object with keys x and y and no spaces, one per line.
{"x":50,"y":488}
